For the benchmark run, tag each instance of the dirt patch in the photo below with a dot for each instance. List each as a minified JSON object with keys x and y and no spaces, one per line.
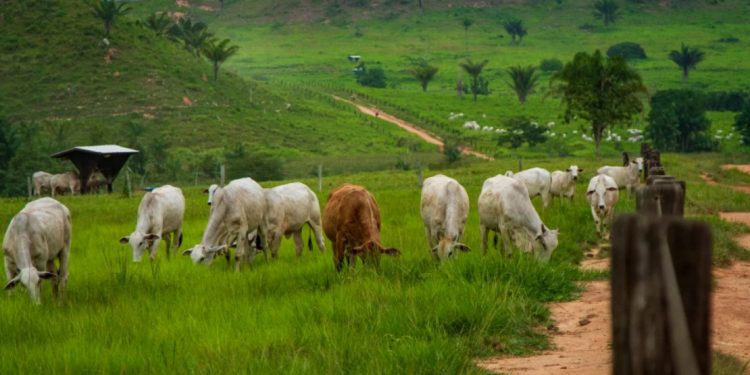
{"x":207,"y":8}
{"x":736,"y":217}
{"x":708,"y":179}
{"x":745,"y":168}
{"x":182,"y":3}
{"x":731,"y":303}
{"x":411,"y":128}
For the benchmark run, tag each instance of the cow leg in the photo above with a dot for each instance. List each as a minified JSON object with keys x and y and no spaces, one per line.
{"x":167,"y":242}
{"x":55,"y":280}
{"x":338,"y":252}
{"x":597,"y":222}
{"x":506,"y":242}
{"x":62,"y":272}
{"x":430,"y":242}
{"x":298,"y":244}
{"x":483,"y":234}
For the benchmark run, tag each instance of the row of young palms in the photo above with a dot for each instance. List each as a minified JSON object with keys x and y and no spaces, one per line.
{"x":194,"y":36}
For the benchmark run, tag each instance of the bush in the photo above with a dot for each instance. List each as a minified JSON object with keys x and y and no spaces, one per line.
{"x":678,"y":122}
{"x":551,"y":65}
{"x":742,"y":124}
{"x":733,"y":101}
{"x":260,"y":166}
{"x":374,"y":77}
{"x":452,"y":151}
{"x":627,"y":50}
{"x":520,"y":130}
{"x":729,"y":39}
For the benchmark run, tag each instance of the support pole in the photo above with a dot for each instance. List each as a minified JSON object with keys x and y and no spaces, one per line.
{"x":320,"y":177}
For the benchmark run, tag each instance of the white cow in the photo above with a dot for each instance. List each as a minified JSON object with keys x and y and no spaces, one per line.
{"x":210,"y":191}
{"x":444,"y":208}
{"x":563,"y":183}
{"x":41,"y":182}
{"x":237,"y":210}
{"x":36,"y":236}
{"x":505,"y":207}
{"x":160,"y":216}
{"x":602,"y":194}
{"x":627,"y":176}
{"x":65,"y":181}
{"x":288,"y":208}
{"x":538,"y":182}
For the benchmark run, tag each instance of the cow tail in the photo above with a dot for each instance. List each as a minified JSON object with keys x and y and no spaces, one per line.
{"x":309,"y":238}
{"x":494,"y":240}
{"x":258,"y":242}
{"x":179,"y":240}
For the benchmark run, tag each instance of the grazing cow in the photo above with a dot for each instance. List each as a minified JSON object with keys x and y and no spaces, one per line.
{"x":210,"y":191}
{"x":564,"y":183}
{"x":95,"y":182}
{"x":36,"y":236}
{"x":288,"y":208}
{"x":160,"y":216}
{"x":41,"y":182}
{"x":444,"y":208}
{"x":627,"y":176}
{"x":537,"y":181}
{"x":60,"y":183}
{"x":505,"y":207}
{"x":237,"y":210}
{"x":602,"y":194}
{"x":351,"y":220}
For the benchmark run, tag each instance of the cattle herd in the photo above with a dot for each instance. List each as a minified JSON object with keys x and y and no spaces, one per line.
{"x":252,"y":219}
{"x":65,"y":182}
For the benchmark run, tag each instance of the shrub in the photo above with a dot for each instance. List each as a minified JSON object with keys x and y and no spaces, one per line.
{"x":733,"y":101}
{"x":373,"y":77}
{"x":519,"y":130}
{"x":729,"y":39}
{"x":742,"y":124}
{"x":551,"y":65}
{"x":678,"y":122}
{"x":627,"y":50}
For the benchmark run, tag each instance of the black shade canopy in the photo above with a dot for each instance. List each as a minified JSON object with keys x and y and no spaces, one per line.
{"x":107,"y":159}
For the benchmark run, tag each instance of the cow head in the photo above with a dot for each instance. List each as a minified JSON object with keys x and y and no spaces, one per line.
{"x":139,"y":242}
{"x":202,"y":254}
{"x":32,"y":280}
{"x":574,"y":171}
{"x":508,"y":174}
{"x":447,"y":248}
{"x":211,"y":191}
{"x":597,"y":196}
{"x":639,"y":162}
{"x":548,"y":240}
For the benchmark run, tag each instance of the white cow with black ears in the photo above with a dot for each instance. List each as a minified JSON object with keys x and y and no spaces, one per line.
{"x":160,"y":216}
{"x":602,"y":195}
{"x":444,"y":209}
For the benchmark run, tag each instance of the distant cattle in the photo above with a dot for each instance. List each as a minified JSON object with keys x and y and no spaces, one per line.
{"x":288,"y":208}
{"x":237,"y":210}
{"x":563,"y":183}
{"x":160,"y":216}
{"x":37,"y":235}
{"x":505,"y":207}
{"x":95,"y":182}
{"x":42,"y":182}
{"x":351,"y":220}
{"x":538,"y":182}
{"x":444,"y":209}
{"x":602,"y":194}
{"x":627,"y":177}
{"x":64,"y":182}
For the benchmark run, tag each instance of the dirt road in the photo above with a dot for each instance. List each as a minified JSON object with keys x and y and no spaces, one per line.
{"x":411,"y":128}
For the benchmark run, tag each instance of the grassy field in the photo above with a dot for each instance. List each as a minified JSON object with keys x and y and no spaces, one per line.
{"x":297,"y":315}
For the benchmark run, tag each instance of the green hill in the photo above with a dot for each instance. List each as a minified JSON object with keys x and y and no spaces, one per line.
{"x":64,"y":85}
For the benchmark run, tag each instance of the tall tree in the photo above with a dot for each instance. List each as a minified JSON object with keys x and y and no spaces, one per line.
{"x":606,"y":10}
{"x":108,"y":11}
{"x":516,"y":30}
{"x":687,"y":58}
{"x":605,"y":92}
{"x":523,"y":81}
{"x":677,"y":121}
{"x":193,"y":34}
{"x":474,"y":70}
{"x":466,"y":23}
{"x":423,"y":72}
{"x":158,"y":23}
{"x":218,"y":52}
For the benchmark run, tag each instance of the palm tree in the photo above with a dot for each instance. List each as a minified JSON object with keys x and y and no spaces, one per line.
{"x":687,"y":58}
{"x":159,"y":24}
{"x":474,"y":70}
{"x":218,"y":52}
{"x":523,"y":81}
{"x":423,"y":73}
{"x":606,"y":10}
{"x":193,"y":34}
{"x":108,"y":11}
{"x":515,"y":29}
{"x":466,"y":23}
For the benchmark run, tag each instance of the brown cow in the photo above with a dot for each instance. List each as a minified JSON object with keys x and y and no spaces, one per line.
{"x":351,"y":220}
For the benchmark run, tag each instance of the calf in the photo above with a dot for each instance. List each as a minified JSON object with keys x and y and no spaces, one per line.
{"x":237,"y":210}
{"x":62,"y":182}
{"x":351,"y":220}
{"x":563,"y":184}
{"x":41,"y":181}
{"x":288,"y":208}
{"x":538,"y":182}
{"x":37,"y":235}
{"x":627,"y":176}
{"x":160,"y":215}
{"x":602,"y":194}
{"x":505,"y":207}
{"x":444,"y":209}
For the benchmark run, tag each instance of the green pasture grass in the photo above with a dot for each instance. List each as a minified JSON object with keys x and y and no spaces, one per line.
{"x":296,"y":315}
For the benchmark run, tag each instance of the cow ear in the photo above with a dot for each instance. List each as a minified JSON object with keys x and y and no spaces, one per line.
{"x":151,"y":237}
{"x":611,"y":189}
{"x":463,"y":247}
{"x":590,"y":192}
{"x":124,"y":240}
{"x":187,"y":252}
{"x":580,"y":170}
{"x":544,"y":229}
{"x":46,"y":275}
{"x":391,"y":251}
{"x":205,"y":191}
{"x":567,"y":170}
{"x":13,"y":282}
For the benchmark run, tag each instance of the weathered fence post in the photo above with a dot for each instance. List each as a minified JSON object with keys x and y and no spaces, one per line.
{"x":661,"y":282}
{"x":662,"y":196}
{"x":520,"y":163}
{"x":28,"y":187}
{"x":127,"y":180}
{"x":221,"y":175}
{"x":320,"y":177}
{"x":419,"y":174}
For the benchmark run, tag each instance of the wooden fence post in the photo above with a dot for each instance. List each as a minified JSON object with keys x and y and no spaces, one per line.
{"x":320,"y":177}
{"x":221,"y":175}
{"x":127,"y":180}
{"x":661,"y":283}
{"x":663,"y":196}
{"x":520,"y":163}
{"x":28,"y":187}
